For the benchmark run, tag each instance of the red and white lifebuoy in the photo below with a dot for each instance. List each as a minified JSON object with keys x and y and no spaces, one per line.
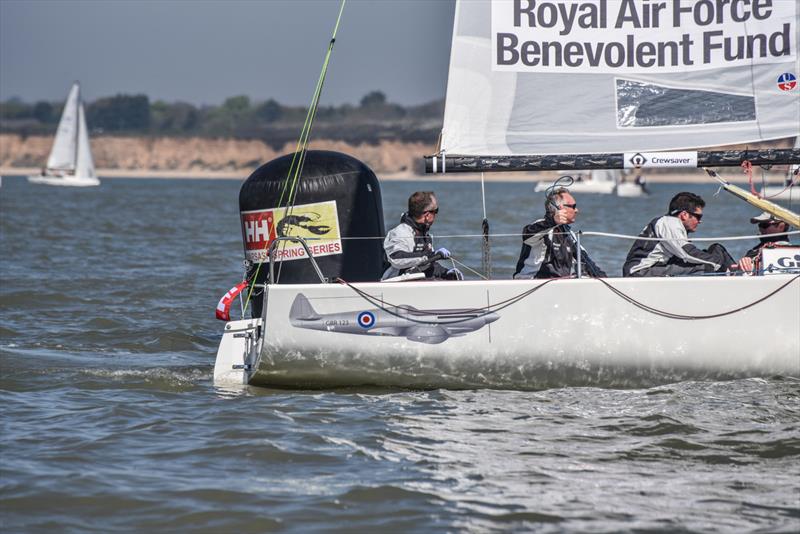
{"x":224,"y":305}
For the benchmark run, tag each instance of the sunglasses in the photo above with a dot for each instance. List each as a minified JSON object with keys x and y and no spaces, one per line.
{"x":573,"y":206}
{"x":767,"y":224}
{"x":435,"y":211}
{"x":697,"y":216}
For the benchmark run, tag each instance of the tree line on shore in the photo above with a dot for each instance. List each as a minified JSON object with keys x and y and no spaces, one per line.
{"x":373,"y":120}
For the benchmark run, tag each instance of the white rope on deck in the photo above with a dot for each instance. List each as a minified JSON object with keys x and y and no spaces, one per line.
{"x":599,"y":234}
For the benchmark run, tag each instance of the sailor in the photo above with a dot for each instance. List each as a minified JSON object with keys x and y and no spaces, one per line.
{"x":409,"y":247}
{"x":549,"y":249}
{"x":675,"y":255}
{"x":768,"y":226}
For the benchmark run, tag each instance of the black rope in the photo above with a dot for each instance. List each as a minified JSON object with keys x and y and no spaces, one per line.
{"x":486,"y":258}
{"x":480,"y":312}
{"x":670,"y":315}
{"x":484,"y":311}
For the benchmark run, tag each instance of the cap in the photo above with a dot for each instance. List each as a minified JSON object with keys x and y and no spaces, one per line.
{"x":763,"y":217}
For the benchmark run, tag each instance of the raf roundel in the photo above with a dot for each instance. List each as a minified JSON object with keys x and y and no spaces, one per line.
{"x":366,"y":319}
{"x":787,"y":81}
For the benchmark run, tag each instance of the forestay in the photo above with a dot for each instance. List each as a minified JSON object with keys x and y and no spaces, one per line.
{"x":596,"y":76}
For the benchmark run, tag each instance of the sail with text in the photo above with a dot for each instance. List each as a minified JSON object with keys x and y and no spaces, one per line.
{"x":615,"y":83}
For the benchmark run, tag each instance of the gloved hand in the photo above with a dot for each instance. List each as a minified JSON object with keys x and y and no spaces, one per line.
{"x":454,"y":274}
{"x":443,"y":251}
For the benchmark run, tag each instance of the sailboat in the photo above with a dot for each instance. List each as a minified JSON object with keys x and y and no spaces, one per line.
{"x":70,"y":162}
{"x":600,"y":181}
{"x":555,"y":86}
{"x":593,"y":182}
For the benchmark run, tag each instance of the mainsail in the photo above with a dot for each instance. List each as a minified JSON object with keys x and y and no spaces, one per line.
{"x":606,"y":77}
{"x":63,"y":155}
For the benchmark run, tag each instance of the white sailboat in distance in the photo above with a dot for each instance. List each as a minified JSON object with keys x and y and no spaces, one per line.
{"x":70,"y":161}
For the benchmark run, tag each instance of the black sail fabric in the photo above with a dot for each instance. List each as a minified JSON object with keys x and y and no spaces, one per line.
{"x":327,"y":177}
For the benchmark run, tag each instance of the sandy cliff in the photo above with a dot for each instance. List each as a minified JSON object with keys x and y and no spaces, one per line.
{"x":172,"y":157}
{"x":196,"y":155}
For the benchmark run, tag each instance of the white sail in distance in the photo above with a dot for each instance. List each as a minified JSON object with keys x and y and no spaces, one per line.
{"x":598,"y":76}
{"x":64,"y":152}
{"x":85,"y":164}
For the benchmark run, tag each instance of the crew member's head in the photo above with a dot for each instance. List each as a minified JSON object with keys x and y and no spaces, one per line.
{"x":423,"y":207}
{"x":769,"y":224}
{"x":687,"y":207}
{"x":559,"y":200}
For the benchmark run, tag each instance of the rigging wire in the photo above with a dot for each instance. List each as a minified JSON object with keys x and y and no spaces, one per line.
{"x":470,"y":269}
{"x":589,"y":233}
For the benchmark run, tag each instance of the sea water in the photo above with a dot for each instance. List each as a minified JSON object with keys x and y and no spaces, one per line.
{"x":111,"y":422}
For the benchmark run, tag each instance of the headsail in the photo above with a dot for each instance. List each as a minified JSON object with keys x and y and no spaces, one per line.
{"x":84,"y":167}
{"x":603,"y":77}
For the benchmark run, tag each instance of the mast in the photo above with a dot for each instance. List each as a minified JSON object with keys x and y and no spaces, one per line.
{"x":443,"y":163}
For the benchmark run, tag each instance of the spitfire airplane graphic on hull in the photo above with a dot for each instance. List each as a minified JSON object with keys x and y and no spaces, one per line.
{"x":422,"y":326}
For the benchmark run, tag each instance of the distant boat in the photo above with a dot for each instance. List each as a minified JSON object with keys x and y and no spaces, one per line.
{"x":600,"y":181}
{"x":597,"y":182}
{"x":70,"y":161}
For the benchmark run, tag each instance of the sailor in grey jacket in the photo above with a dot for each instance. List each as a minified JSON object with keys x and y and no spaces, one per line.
{"x":675,"y":255}
{"x":409,"y":247}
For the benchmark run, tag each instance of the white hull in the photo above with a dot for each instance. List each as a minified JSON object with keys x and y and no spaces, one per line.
{"x":566,"y":332}
{"x":627,"y":189}
{"x":589,"y":186}
{"x":780,"y":192}
{"x":74,"y":181}
{"x":602,"y":188}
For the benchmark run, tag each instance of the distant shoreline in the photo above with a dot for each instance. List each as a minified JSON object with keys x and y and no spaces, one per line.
{"x":683,"y":177}
{"x":235,"y":159}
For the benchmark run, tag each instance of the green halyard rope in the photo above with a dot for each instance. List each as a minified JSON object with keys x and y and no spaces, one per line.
{"x":289,"y":189}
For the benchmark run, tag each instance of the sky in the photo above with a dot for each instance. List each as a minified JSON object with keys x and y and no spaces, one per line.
{"x":204,"y":51}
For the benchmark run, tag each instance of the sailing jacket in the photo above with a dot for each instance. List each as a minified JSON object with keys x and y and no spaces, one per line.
{"x":549,"y":251}
{"x":768,"y":242}
{"x":673,"y":256}
{"x":408,"y":248}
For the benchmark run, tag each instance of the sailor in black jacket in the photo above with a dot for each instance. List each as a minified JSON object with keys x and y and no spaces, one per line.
{"x":768,"y":226}
{"x":549,"y":249}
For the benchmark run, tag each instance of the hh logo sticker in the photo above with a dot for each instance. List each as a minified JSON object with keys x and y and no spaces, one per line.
{"x":317,"y":223}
